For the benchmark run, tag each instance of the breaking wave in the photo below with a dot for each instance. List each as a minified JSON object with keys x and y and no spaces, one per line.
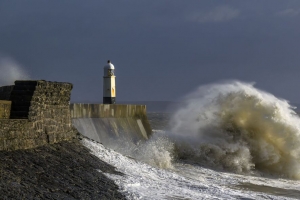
{"x":236,"y":127}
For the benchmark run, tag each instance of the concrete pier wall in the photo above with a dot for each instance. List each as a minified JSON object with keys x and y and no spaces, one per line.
{"x":103,"y":122}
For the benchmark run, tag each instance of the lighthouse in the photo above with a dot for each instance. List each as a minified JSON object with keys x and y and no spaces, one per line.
{"x":109,"y":84}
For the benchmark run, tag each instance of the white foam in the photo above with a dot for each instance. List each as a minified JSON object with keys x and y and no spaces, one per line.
{"x":156,"y":151}
{"x":142,"y":181}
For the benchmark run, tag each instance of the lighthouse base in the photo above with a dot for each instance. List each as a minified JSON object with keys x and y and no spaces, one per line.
{"x":109,"y":100}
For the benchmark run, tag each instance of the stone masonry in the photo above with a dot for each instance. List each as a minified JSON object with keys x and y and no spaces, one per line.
{"x":5,"y":109}
{"x":39,"y":114}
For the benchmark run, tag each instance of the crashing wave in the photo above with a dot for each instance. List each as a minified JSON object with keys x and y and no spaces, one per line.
{"x":236,"y":127}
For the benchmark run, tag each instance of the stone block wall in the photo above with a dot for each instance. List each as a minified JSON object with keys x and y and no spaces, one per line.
{"x":49,"y":109}
{"x":39,"y":115}
{"x":5,"y":109}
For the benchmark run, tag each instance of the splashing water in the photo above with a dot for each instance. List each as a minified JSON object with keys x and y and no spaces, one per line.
{"x":236,"y":127}
{"x":142,"y":181}
{"x":157,"y":151}
{"x":10,"y":71}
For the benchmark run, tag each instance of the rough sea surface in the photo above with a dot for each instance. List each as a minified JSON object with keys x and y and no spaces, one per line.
{"x":180,"y":180}
{"x":226,"y":141}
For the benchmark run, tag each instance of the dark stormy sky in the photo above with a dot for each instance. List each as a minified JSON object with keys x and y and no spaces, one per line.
{"x":162,"y":49}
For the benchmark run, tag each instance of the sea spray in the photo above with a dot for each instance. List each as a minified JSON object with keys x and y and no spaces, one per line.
{"x":142,"y":181}
{"x":236,"y":127}
{"x":11,"y":71}
{"x":157,"y":151}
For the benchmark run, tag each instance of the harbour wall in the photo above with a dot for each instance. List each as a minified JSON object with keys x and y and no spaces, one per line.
{"x":35,"y":113}
{"x":106,"y":122}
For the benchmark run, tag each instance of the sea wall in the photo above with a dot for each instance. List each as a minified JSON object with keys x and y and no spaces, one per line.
{"x":103,"y":122}
{"x":35,"y":113}
{"x":39,"y":115}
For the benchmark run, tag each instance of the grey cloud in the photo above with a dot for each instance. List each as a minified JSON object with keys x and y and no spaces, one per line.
{"x":218,"y":14}
{"x":161,"y":49}
{"x":291,"y":12}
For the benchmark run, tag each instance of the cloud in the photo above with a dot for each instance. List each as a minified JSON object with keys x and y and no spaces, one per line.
{"x":11,"y":71}
{"x":289,"y":12}
{"x":218,"y":14}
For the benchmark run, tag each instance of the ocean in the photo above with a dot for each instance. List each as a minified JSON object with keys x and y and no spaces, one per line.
{"x":225,"y":141}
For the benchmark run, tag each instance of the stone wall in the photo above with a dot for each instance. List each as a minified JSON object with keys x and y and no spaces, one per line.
{"x":39,"y":115}
{"x":5,"y":109}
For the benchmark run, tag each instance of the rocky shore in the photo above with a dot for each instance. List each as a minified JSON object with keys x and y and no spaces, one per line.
{"x":65,"y":170}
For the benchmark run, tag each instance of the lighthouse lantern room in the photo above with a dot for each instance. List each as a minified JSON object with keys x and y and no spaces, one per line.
{"x":109,"y":84}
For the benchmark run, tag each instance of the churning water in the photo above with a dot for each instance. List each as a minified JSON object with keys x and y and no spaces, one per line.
{"x":227,"y":141}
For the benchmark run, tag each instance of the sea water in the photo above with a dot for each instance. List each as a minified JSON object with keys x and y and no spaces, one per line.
{"x":226,"y":141}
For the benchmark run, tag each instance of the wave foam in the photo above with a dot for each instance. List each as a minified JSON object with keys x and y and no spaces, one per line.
{"x":236,"y":127}
{"x":157,"y":151}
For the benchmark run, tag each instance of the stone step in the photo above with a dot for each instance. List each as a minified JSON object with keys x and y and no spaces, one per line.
{"x":24,"y":87}
{"x":32,"y":83}
{"x":21,"y":98}
{"x":21,"y":103}
{"x":22,"y":92}
{"x":20,"y":108}
{"x":19,"y":114}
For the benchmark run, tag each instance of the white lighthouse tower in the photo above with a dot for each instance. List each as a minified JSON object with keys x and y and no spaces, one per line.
{"x":109,"y":84}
